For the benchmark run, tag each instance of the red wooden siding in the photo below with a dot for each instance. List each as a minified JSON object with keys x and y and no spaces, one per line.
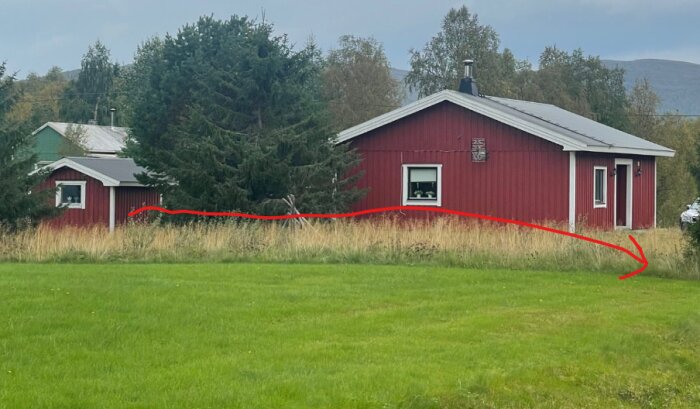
{"x":96,"y":210}
{"x":643,"y":187}
{"x":643,"y":193}
{"x":586,"y":214}
{"x":131,"y":198}
{"x":96,"y":195}
{"x":524,"y":177}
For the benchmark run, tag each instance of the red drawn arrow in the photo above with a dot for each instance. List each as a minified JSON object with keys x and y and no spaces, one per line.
{"x":641,"y":258}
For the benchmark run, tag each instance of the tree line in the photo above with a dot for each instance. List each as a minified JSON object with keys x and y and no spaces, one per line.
{"x":228,"y":115}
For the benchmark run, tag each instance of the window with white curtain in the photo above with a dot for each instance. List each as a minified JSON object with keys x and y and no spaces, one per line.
{"x":422,"y":184}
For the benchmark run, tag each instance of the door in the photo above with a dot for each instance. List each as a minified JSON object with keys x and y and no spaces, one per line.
{"x":621,"y":195}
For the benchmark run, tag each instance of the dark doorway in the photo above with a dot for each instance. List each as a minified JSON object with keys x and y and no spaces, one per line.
{"x":621,"y":195}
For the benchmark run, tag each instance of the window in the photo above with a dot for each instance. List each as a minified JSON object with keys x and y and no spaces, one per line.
{"x":70,"y":194}
{"x":422,"y":185}
{"x":600,"y":186}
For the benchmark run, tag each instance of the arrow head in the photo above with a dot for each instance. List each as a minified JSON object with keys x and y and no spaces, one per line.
{"x":642,"y":259}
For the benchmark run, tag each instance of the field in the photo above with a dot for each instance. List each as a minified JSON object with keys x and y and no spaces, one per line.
{"x":343,"y":336}
{"x":443,"y":242}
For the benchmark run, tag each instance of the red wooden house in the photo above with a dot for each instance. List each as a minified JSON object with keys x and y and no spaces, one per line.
{"x":97,"y":191}
{"x":506,"y":158}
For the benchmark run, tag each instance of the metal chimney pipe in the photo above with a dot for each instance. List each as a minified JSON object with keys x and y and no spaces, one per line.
{"x":467,"y":84}
{"x":111,"y":114}
{"x":468,"y":68}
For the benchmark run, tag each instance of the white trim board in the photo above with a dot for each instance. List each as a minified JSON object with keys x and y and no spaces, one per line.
{"x":112,"y":208}
{"x":67,"y":163}
{"x":572,"y":192}
{"x":49,"y":125}
{"x":656,"y":181}
{"x":628,"y":206}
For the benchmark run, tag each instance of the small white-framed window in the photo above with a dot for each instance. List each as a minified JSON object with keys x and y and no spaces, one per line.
{"x":422,"y":185}
{"x":600,"y":186}
{"x":70,"y":194}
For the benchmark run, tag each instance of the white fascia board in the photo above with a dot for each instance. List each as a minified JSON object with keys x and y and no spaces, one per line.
{"x":390,"y":116}
{"x":559,"y":139}
{"x":49,"y":125}
{"x":52,"y":166}
{"x":67,"y":163}
{"x":629,"y":151}
{"x":42,"y":127}
{"x":37,"y":170}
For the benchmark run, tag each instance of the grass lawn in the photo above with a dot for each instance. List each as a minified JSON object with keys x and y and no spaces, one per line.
{"x":343,"y":336}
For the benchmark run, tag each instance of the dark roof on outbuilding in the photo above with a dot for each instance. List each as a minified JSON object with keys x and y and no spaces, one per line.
{"x":110,"y":171}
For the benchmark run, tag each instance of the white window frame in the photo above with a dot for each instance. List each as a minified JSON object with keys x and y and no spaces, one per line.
{"x":83,"y":193}
{"x":597,"y":205}
{"x":405,"y":201}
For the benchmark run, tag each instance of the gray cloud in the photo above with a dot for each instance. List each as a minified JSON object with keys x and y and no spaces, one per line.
{"x":62,"y":29}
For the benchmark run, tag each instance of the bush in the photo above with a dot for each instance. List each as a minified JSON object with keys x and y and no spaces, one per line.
{"x":694,"y":241}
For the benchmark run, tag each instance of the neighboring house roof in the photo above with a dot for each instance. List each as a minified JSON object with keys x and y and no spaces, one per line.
{"x":109,"y":171}
{"x":98,"y":138}
{"x":571,"y":131}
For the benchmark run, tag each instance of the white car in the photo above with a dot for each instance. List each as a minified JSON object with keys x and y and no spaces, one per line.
{"x":690,"y":216}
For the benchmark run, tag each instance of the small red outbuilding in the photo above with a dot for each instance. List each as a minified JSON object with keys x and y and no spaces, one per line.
{"x":97,"y":191}
{"x":507,"y":158}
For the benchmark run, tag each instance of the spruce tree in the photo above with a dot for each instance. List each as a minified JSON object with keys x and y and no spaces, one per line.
{"x":22,"y":205}
{"x":228,"y":118}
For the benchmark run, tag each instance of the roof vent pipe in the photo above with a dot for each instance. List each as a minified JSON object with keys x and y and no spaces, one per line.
{"x":468,"y":68}
{"x":111,"y":114}
{"x":468,"y":84}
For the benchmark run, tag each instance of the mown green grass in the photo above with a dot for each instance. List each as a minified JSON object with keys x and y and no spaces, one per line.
{"x":343,"y":336}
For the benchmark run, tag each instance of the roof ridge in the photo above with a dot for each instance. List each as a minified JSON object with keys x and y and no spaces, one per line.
{"x":79,"y":124}
{"x":521,"y":100}
{"x":98,"y":158}
{"x":491,"y":98}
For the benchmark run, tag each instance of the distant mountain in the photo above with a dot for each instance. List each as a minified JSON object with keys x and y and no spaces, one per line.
{"x":71,"y":75}
{"x":676,"y":83}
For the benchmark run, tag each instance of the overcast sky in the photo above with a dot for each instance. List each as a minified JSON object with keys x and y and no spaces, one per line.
{"x":38,"y":34}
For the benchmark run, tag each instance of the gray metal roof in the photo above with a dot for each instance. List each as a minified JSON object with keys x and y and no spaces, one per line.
{"x":571,"y":131}
{"x":122,"y":170}
{"x":97,"y":138}
{"x":577,"y":127}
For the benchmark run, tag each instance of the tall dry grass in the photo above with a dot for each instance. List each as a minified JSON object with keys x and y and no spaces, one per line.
{"x":442,"y":241}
